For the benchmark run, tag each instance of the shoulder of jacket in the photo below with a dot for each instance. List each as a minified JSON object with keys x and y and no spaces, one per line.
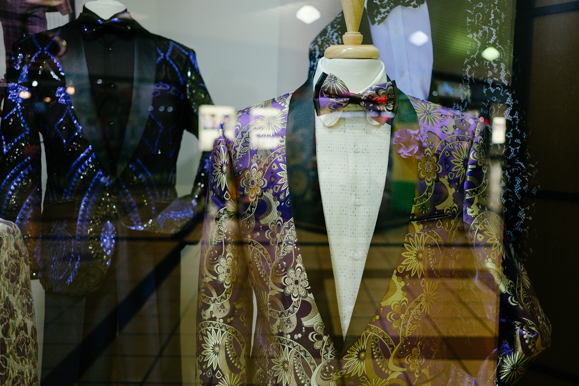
{"x":445,"y":121}
{"x":267,"y":118}
{"x":177,"y":52}
{"x":38,"y":42}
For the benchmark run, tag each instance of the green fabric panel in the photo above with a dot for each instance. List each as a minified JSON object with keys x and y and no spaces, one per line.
{"x":400,"y":191}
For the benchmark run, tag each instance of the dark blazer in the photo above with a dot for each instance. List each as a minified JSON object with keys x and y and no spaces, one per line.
{"x":443,"y":301}
{"x":73,"y":237}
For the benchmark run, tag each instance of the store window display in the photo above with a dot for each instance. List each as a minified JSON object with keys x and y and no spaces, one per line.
{"x":379,"y":174}
{"x":415,"y":283}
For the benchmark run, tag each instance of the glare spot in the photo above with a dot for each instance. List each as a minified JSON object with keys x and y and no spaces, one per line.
{"x":418,"y":38}
{"x":308,"y":14}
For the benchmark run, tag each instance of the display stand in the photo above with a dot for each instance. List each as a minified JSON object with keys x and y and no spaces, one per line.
{"x":352,"y":47}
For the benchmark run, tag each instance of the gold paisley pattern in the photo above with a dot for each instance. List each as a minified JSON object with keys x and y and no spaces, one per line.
{"x":18,"y":345}
{"x":441,"y":301}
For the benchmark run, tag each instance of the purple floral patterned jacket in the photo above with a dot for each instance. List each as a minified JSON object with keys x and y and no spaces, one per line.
{"x":456,"y":305}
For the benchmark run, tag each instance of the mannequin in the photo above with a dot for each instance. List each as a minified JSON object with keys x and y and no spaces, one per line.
{"x":105,"y":8}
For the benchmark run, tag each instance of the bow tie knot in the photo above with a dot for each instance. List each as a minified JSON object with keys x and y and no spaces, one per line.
{"x":121,"y":24}
{"x":332,"y":95}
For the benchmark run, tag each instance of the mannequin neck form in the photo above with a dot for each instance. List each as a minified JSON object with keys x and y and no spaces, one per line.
{"x":356,"y":73}
{"x":105,"y":9}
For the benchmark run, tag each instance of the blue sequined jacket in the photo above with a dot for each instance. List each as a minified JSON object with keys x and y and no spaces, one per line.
{"x":72,"y":238}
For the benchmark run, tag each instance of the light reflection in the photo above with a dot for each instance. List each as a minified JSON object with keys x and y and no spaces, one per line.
{"x":418,"y":38}
{"x":308,"y":14}
{"x":491,"y":54}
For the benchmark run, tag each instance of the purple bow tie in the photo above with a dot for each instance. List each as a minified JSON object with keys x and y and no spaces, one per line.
{"x":332,"y":94}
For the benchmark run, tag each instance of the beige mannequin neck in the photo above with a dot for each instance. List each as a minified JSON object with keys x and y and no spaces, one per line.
{"x":356,"y":73}
{"x":105,"y":8}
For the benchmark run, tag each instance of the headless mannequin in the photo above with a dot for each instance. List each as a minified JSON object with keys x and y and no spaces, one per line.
{"x":352,"y":159}
{"x":105,"y":8}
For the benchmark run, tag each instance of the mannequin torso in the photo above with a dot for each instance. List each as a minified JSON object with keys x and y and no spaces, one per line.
{"x":105,"y":8}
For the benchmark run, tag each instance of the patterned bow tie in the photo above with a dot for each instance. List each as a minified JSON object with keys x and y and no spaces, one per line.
{"x":332,"y":95}
{"x":93,"y":26}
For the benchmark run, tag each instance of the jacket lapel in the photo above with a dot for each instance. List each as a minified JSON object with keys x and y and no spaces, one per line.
{"x":306,"y":203}
{"x":143,"y":89}
{"x":77,"y":76}
{"x":306,"y":199}
{"x":77,"y":79}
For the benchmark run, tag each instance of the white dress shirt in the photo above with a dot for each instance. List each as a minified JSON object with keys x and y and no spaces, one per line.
{"x":352,"y":155}
{"x":405,"y":43}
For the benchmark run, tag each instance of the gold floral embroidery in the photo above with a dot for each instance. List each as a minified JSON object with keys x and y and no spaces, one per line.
{"x":415,"y":360}
{"x":460,"y":160}
{"x":356,"y":357}
{"x":220,"y":166}
{"x":212,"y":348}
{"x":282,"y":367}
{"x":430,"y":296}
{"x":226,"y":270}
{"x":428,"y":166}
{"x":296,"y":283}
{"x":512,"y":366}
{"x":416,"y":254}
{"x":397,"y":315}
{"x":230,"y":380}
{"x":253,"y":183}
{"x":428,"y":113}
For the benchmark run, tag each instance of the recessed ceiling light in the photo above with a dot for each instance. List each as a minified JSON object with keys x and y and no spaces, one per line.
{"x":491,"y":54}
{"x":418,"y":38}
{"x":308,"y":14}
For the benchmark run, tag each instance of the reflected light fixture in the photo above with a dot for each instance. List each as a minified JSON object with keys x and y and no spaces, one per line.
{"x":418,"y":38}
{"x":491,"y":53}
{"x":308,"y":14}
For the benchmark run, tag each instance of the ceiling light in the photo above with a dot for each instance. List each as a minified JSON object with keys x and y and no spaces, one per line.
{"x":491,"y":54}
{"x":308,"y":14}
{"x":418,"y":38}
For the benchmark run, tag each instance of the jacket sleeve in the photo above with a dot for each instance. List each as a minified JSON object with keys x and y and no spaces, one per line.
{"x":186,"y":212}
{"x":225,"y":307}
{"x":20,"y":166}
{"x":197,"y":93}
{"x":523,"y":329}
